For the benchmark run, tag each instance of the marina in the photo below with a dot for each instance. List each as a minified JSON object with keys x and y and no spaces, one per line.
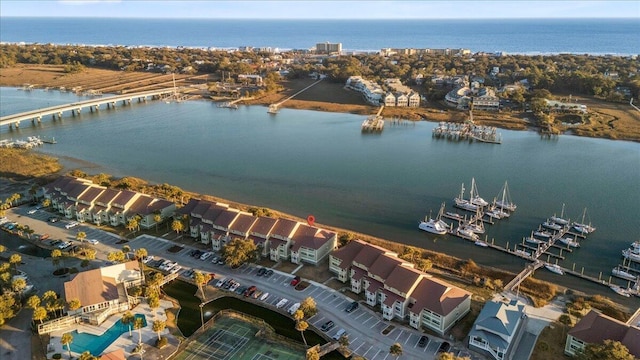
{"x":467,"y":131}
{"x":29,"y":143}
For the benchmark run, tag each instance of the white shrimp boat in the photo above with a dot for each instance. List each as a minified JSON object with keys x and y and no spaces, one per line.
{"x":620,"y":291}
{"x":619,"y":272}
{"x":555,"y":268}
{"x":569,"y":242}
{"x":481,"y":243}
{"x":433,"y":226}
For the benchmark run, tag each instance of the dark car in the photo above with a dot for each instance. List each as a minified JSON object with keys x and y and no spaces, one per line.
{"x":444,"y":347}
{"x":268,"y":273}
{"x":295,"y":281}
{"x":327,"y":326}
{"x":53,"y":219}
{"x":423,"y":341}
{"x":250,"y":290}
{"x":261,"y":271}
{"x":351,"y":307}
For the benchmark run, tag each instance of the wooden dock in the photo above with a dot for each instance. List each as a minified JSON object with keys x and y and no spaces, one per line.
{"x":273,"y":108}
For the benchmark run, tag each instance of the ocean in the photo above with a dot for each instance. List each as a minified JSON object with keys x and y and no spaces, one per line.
{"x":521,"y":36}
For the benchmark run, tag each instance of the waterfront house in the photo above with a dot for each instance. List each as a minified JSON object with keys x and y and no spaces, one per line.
{"x":120,"y":205}
{"x":241,"y":226}
{"x":101,"y":206}
{"x":389,"y":100}
{"x":146,"y":208}
{"x":311,"y":245}
{"x":595,"y":328}
{"x":398,"y":288}
{"x":220,"y":231}
{"x":371,"y":92}
{"x":102,"y":291}
{"x":497,"y":328}
{"x":85,"y":203}
{"x":260,"y":231}
{"x":280,"y":239}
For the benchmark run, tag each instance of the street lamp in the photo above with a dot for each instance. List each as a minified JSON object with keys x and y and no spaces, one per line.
{"x":201,"y":314}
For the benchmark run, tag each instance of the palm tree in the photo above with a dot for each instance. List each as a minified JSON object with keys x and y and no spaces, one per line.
{"x":39,"y":313}
{"x":80,"y":236}
{"x":395,"y":350}
{"x":132,"y":224}
{"x":302,"y":326}
{"x":177,"y":226}
{"x":159,"y":326}
{"x":156,"y":219}
{"x":126,"y":249}
{"x":66,"y":340}
{"x":127,"y":319}
{"x":154,"y":301}
{"x":200,"y":280}
{"x":74,"y":304}
{"x":14,"y":260}
{"x":33,"y":302}
{"x":138,"y":324}
{"x":344,"y":342}
{"x":56,"y":255}
{"x":312,"y":354}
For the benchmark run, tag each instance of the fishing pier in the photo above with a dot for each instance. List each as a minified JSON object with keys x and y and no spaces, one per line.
{"x":273,"y":108}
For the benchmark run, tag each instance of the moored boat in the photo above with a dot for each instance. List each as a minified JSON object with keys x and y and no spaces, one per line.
{"x":583,"y":227}
{"x":542,"y":233}
{"x":551,"y":225}
{"x":505,"y":202}
{"x":555,"y":268}
{"x":523,"y":253}
{"x":481,"y":243}
{"x":619,"y":272}
{"x":569,"y":242}
{"x":467,"y":233}
{"x":560,"y":219}
{"x":620,"y":291}
{"x":433,"y":226}
{"x":532,"y":240}
{"x":631,"y":255}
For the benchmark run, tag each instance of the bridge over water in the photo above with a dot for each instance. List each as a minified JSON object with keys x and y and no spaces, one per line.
{"x":76,"y":107}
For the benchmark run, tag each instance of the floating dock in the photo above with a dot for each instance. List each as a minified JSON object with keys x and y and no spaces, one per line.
{"x":373,"y":124}
{"x":467,"y":131}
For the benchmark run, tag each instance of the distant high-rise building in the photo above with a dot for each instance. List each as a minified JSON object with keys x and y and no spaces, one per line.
{"x":328,"y":48}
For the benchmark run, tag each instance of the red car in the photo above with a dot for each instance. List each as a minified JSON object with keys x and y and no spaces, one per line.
{"x":295,"y":281}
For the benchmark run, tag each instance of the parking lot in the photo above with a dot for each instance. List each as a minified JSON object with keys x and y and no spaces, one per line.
{"x":363,"y":326}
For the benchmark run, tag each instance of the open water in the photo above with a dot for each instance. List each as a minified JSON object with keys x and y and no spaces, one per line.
{"x":530,"y":36}
{"x":306,"y":162}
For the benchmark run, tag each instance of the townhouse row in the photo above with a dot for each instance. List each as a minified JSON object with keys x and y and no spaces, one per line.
{"x":401,"y":291}
{"x":84,"y":201}
{"x":280,"y":239}
{"x":400,"y":96}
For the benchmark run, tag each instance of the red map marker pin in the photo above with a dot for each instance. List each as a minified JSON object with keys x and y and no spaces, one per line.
{"x":310,"y":220}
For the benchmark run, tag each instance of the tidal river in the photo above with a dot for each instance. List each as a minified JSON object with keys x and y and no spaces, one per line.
{"x":307,"y":162}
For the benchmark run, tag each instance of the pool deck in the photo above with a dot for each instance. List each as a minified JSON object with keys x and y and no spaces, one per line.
{"x":124,"y":342}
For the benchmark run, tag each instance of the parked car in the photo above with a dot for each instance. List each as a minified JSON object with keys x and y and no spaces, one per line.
{"x":250,"y":291}
{"x":351,"y":307}
{"x":53,"y":219}
{"x":423,"y":341}
{"x":72,"y":224}
{"x":146,"y":259}
{"x":294,"y":308}
{"x":339,"y":334}
{"x":257,"y":294}
{"x":44,"y":237}
{"x":261,"y":271}
{"x":268,"y":273}
{"x":327,"y":326}
{"x":32,"y":211}
{"x":444,"y":347}
{"x":221,"y":282}
{"x":295,"y":281}
{"x":206,"y":255}
{"x":93,"y":241}
{"x":282,"y":303}
{"x":264,"y":296}
{"x":175,"y":269}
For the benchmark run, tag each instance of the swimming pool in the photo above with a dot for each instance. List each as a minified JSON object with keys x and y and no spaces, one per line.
{"x":96,"y":344}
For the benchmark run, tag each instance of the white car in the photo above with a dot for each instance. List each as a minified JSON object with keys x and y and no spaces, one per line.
{"x":175,"y":269}
{"x":206,"y":255}
{"x":264,"y":296}
{"x":234,"y":287}
{"x":72,"y":224}
{"x":146,"y":259}
{"x":32,"y":211}
{"x":93,"y":241}
{"x":282,"y":303}
{"x":220,"y":282}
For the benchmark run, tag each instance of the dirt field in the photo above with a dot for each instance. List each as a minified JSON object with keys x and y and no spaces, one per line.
{"x":607,"y":120}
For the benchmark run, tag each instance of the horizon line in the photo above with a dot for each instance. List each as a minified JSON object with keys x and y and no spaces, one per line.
{"x":323,"y":19}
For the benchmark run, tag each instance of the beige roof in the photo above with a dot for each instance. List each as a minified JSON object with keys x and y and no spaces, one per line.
{"x":596,"y":327}
{"x":437,"y":296}
{"x":90,"y":288}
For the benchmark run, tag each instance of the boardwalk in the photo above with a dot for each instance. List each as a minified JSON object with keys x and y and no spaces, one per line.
{"x":273,"y":108}
{"x":77,"y":107}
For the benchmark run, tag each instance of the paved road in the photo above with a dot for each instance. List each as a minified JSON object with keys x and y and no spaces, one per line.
{"x":363,"y":326}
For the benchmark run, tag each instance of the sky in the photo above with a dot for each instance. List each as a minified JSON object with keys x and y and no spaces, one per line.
{"x":290,"y":9}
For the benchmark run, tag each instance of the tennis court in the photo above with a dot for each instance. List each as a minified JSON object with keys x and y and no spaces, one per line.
{"x":231,"y":338}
